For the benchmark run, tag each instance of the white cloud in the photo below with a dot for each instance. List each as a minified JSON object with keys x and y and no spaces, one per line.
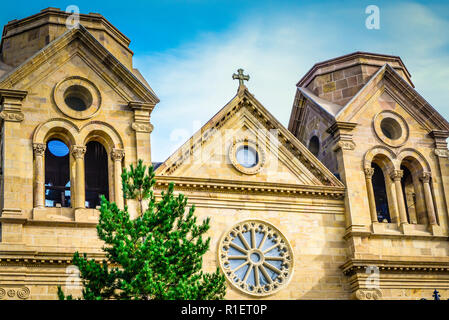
{"x":195,"y":81}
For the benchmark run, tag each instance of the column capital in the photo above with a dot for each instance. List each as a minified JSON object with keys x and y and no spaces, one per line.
{"x":369,"y":172}
{"x":117,"y":154}
{"x":425,"y":177}
{"x":78,"y":152}
{"x":39,"y":149}
{"x":396,"y":175}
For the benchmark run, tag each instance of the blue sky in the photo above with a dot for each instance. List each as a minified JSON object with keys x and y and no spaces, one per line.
{"x":188,"y":49}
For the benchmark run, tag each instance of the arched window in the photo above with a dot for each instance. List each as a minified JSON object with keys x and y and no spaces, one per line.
{"x":57,"y":174}
{"x":380,"y":194}
{"x":314,"y":145}
{"x":96,"y":174}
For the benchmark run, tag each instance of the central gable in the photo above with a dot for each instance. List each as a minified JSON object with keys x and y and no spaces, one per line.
{"x":243,"y":126}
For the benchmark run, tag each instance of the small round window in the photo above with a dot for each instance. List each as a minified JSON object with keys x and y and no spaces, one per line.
{"x":391,"y":128}
{"x":78,"y":97}
{"x":247,"y":157}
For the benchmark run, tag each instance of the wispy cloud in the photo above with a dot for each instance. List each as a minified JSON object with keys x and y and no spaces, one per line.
{"x":194,"y":81}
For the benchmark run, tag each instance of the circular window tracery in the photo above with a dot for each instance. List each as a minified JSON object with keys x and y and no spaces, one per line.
{"x":78,"y":98}
{"x":256,"y":258}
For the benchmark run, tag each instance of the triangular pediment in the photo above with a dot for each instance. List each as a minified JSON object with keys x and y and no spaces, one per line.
{"x":388,"y":86}
{"x":211,"y":152}
{"x":80,"y":44}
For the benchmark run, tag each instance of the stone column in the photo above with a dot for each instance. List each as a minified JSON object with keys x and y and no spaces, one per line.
{"x":143,"y":129}
{"x":369,"y":187}
{"x":425,"y":178}
{"x":396,"y":176}
{"x":39,"y":175}
{"x":117,"y":156}
{"x":78,"y":153}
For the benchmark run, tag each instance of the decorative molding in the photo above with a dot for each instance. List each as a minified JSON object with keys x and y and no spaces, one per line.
{"x":39,"y":149}
{"x":22,"y":293}
{"x":396,"y":175}
{"x":368,"y":294}
{"x":369,"y":172}
{"x":232,"y":186}
{"x":425,"y":177}
{"x":142,"y":127}
{"x":12,"y":116}
{"x":78,"y":152}
{"x":344,"y":145}
{"x":117,"y":154}
{"x":442,"y":153}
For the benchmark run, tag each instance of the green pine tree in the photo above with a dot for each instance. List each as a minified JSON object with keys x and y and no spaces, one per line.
{"x":158,"y":255}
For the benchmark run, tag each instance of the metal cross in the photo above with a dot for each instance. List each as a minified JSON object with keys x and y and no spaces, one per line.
{"x":240,"y":76}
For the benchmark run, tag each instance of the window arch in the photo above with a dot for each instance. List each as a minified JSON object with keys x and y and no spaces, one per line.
{"x":57,"y":174}
{"x":314,"y":145}
{"x":96,"y":174}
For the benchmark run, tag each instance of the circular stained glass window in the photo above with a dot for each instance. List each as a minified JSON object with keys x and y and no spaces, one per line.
{"x":247,"y":157}
{"x":256,"y":258}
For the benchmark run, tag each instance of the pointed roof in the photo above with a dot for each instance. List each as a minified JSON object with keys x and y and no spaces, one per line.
{"x":418,"y":106}
{"x":141,"y":89}
{"x":427,"y":115}
{"x":247,"y":100}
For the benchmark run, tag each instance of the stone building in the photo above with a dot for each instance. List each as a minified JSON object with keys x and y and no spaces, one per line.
{"x":351,"y":201}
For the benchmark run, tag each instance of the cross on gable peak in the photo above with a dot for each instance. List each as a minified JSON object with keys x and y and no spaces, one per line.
{"x":240,"y":76}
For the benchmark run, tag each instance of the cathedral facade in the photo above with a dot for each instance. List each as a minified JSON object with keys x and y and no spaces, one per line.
{"x":349,"y":202}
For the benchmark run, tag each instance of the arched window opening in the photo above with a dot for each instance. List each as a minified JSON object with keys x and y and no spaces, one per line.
{"x":314,"y":145}
{"x":380,"y":194}
{"x":96,"y":174}
{"x":57,"y":174}
{"x":409,"y":194}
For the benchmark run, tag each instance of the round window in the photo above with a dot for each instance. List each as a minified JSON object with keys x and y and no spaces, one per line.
{"x":247,"y":156}
{"x":78,"y":97}
{"x":256,"y":258}
{"x":391,"y":128}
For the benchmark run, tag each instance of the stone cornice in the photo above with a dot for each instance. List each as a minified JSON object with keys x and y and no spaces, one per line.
{"x":391,"y":265}
{"x":232,"y":186}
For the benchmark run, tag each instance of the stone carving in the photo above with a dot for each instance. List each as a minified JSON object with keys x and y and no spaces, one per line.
{"x":369,"y":172}
{"x":442,"y":153}
{"x":368,"y":294}
{"x":117,"y":154}
{"x":12,"y":116}
{"x":344,"y":145}
{"x":425,"y":177}
{"x":39,"y":149}
{"x":21,"y":293}
{"x":143,"y":127}
{"x":397,"y":175}
{"x":78,"y":152}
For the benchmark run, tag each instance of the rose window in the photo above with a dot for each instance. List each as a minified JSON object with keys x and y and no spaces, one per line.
{"x":256,"y":258}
